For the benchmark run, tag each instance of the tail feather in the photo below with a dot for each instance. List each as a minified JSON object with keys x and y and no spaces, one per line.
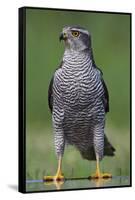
{"x":109,"y":150}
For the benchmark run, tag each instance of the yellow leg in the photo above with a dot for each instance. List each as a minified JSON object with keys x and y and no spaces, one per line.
{"x":59,"y":176}
{"x":98,"y":174}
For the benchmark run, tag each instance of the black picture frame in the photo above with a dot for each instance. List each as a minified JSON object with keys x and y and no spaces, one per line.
{"x":22,"y":98}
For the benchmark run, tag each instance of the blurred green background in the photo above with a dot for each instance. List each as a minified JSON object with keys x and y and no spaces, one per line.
{"x":111,"y":48}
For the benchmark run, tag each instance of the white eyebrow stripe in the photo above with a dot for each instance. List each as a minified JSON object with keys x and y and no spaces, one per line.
{"x":80,"y":30}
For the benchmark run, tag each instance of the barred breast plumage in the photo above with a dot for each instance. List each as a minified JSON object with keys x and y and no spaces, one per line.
{"x":82,"y":92}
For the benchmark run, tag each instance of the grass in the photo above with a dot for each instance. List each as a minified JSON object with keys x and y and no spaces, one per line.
{"x":41,"y":159}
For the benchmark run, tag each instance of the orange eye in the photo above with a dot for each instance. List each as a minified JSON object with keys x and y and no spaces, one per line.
{"x":75,"y":33}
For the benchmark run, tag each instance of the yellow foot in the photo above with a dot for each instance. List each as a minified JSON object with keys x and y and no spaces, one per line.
{"x":57,"y":180}
{"x":53,"y":178}
{"x":101,"y":176}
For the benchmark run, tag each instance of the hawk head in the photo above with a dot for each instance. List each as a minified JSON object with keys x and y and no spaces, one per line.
{"x":76,"y":38}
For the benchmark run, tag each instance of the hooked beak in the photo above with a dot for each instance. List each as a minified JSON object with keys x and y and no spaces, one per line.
{"x":63,"y":36}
